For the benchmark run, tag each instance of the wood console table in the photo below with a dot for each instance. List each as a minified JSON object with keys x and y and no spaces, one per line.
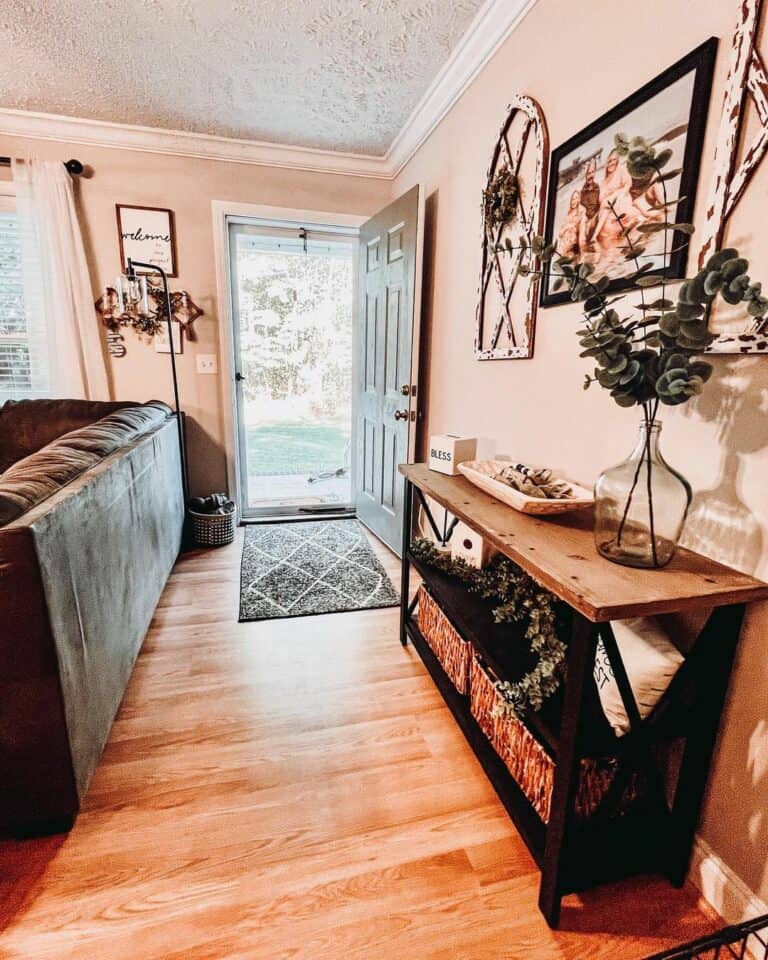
{"x":559,"y":553}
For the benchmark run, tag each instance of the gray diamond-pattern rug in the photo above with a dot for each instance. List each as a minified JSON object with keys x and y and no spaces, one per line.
{"x":310,"y":567}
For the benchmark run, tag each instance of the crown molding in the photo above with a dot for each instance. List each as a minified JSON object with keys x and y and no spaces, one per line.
{"x":492,"y":25}
{"x":179,"y":143}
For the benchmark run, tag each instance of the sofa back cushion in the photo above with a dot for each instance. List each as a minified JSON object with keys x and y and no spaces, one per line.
{"x":36,"y":477}
{"x":27,"y":426}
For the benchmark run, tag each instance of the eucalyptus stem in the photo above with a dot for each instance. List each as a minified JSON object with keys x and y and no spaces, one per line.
{"x":649,"y":484}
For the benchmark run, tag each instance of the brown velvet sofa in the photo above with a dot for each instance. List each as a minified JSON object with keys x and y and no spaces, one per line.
{"x":91,"y":516}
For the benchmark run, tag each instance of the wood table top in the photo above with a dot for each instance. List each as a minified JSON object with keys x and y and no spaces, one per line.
{"x":559,"y":552}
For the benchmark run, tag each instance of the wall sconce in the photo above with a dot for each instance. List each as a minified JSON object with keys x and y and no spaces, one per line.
{"x":135,"y":301}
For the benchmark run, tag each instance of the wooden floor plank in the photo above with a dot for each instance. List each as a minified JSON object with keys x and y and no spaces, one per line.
{"x":297,"y":789}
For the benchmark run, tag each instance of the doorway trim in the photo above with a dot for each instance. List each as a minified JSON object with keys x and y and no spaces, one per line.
{"x":222,"y":211}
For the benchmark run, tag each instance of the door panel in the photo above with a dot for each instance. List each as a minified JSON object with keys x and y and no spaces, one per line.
{"x":384,"y":354}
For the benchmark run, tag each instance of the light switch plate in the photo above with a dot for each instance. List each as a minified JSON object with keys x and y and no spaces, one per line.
{"x":206,"y":363}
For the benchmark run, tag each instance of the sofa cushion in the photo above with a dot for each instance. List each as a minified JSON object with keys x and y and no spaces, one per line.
{"x":36,"y":477}
{"x":26,"y":426}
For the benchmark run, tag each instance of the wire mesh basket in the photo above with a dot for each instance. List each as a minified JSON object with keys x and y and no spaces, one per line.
{"x":213,"y":529}
{"x":745,"y":941}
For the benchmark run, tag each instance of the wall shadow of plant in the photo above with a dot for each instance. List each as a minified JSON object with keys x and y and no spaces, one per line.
{"x":722,"y":524}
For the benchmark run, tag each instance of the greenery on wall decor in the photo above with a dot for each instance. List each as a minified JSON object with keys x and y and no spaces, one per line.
{"x":500,"y":199}
{"x":520,"y":600}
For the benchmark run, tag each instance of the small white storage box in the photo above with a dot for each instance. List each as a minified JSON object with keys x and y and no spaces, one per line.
{"x":446,"y":452}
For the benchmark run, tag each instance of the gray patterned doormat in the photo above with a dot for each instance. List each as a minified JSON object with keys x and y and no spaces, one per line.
{"x":310,"y":567}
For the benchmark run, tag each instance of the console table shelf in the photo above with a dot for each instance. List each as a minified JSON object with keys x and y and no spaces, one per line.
{"x":560,"y":554}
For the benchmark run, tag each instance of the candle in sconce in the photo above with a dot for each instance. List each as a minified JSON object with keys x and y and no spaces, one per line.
{"x":119,"y":291}
{"x":144,"y":296}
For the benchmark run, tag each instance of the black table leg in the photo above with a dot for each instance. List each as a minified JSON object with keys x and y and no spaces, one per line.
{"x":581,"y":658}
{"x":717,"y":645}
{"x":405,"y":568}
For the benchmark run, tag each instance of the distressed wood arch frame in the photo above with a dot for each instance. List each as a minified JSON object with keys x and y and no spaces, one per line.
{"x":747,"y":80}
{"x":490,"y":330}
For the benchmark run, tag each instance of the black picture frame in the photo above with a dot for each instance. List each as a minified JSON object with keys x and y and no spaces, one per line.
{"x":702,"y":62}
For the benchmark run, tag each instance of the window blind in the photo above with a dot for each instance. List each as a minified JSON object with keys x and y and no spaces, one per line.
{"x":23,"y":346}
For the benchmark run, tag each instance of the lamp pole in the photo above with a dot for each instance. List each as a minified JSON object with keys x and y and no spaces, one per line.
{"x":132,"y":264}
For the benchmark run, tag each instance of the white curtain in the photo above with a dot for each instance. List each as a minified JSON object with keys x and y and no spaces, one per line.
{"x":57,"y":285}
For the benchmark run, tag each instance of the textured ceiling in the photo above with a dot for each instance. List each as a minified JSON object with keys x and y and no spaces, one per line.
{"x":335,"y":74}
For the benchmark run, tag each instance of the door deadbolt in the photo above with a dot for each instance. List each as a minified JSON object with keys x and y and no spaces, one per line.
{"x":408,"y":390}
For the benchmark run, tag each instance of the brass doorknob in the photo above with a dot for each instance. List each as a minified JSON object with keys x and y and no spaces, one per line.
{"x":401,"y":414}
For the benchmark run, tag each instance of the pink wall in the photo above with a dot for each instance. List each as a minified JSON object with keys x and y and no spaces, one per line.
{"x":187,"y":186}
{"x":578,"y":60}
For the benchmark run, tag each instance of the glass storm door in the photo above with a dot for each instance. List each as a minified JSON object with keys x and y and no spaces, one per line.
{"x":292,"y":307}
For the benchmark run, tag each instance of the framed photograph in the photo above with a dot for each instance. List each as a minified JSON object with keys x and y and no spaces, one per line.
{"x":146,"y":234}
{"x":162,"y":344}
{"x":670,"y":112}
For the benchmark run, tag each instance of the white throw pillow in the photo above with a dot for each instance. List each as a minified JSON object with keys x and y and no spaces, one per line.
{"x":651,"y":661}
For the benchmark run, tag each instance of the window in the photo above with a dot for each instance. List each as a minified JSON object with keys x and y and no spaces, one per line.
{"x":23,"y":352}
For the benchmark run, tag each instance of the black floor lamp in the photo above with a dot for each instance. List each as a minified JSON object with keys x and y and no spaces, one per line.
{"x":132,"y":275}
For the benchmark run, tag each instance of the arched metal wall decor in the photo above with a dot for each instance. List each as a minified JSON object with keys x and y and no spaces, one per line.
{"x":513,"y":212}
{"x":747,"y":81}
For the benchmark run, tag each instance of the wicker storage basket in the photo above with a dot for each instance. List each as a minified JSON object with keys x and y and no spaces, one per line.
{"x":528,"y":761}
{"x":451,"y":650}
{"x":213,"y":529}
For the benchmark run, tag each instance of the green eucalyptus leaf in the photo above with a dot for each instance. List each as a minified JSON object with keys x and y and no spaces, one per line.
{"x":593,"y":304}
{"x":648,"y":281}
{"x":684,"y":228}
{"x":717,"y":260}
{"x":632,"y":370}
{"x":713,"y":283}
{"x":729,"y":296}
{"x":619,"y":364}
{"x":607,"y":379}
{"x":670,"y":325}
{"x":669,"y":175}
{"x":695,"y":291}
{"x":701,"y":369}
{"x":739,"y":285}
{"x":689,"y":311}
{"x":734,"y":268}
{"x":651,"y":227}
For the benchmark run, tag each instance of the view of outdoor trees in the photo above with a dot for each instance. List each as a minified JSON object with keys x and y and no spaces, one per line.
{"x":296,"y":353}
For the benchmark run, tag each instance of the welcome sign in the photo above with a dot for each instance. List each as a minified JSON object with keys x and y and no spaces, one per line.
{"x":146,"y":234}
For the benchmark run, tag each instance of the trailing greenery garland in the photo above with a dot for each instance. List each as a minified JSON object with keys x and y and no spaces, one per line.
{"x":521,"y":598}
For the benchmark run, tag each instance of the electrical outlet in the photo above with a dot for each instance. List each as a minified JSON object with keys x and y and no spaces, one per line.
{"x":206,"y":363}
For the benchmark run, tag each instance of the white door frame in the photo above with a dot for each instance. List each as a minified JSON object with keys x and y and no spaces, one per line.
{"x":285,"y":216}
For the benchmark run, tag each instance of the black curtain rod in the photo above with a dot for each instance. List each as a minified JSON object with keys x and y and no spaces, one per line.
{"x":74,"y":167}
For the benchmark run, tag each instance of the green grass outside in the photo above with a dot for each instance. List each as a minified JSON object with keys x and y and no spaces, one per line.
{"x":291,"y":448}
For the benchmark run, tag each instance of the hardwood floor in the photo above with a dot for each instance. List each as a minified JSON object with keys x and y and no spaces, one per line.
{"x":296,"y":789}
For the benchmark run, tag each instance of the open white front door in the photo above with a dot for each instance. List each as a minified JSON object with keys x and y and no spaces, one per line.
{"x":385,"y":393}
